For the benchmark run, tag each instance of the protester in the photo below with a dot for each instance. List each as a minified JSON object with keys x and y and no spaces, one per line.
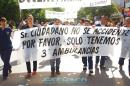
{"x":103,"y":22}
{"x":66,"y":22}
{"x":87,"y":22}
{"x":42,"y":23}
{"x":81,"y":22}
{"x":125,"y":49}
{"x":21,"y":24}
{"x":86,"y":60}
{"x":29,"y":24}
{"x":12,"y":24}
{"x":5,"y":46}
{"x":55,"y":61}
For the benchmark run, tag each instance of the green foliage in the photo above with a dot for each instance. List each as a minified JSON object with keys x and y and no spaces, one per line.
{"x":9,"y":9}
{"x":57,"y":9}
{"x":39,"y":13}
{"x":96,"y":11}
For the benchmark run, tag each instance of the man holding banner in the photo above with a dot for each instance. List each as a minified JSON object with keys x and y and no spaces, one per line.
{"x":103,"y":58}
{"x":125,"y":49}
{"x":5,"y":47}
{"x":55,"y":61}
{"x":86,"y":60}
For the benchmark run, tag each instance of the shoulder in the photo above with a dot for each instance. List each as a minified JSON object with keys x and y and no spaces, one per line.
{"x":34,"y":25}
{"x":24,"y":27}
{"x":8,"y":29}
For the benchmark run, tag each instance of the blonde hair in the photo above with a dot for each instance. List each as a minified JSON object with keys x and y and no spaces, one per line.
{"x":30,"y":16}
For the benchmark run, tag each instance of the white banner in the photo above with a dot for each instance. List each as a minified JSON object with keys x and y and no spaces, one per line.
{"x":60,"y":15}
{"x":53,"y":42}
{"x":36,"y":4}
{"x":95,"y":3}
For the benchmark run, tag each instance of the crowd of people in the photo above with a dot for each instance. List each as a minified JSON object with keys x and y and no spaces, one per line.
{"x":6,"y":44}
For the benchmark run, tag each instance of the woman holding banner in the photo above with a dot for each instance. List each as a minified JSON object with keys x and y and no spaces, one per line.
{"x":29,"y":53}
{"x":5,"y":47}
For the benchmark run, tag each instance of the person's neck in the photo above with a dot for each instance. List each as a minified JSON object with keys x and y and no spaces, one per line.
{"x":3,"y":27}
{"x":30,"y":25}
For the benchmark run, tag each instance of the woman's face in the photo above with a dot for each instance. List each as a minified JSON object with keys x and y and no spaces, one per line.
{"x":30,"y":20}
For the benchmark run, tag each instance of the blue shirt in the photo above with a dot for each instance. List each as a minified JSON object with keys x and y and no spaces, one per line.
{"x":5,"y":41}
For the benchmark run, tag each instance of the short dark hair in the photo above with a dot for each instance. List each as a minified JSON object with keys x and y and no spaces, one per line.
{"x":3,"y":19}
{"x":83,"y":20}
{"x":57,"y":19}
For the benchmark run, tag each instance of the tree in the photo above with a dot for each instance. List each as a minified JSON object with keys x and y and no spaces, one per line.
{"x":39,"y":14}
{"x":96,"y":11}
{"x":9,"y":9}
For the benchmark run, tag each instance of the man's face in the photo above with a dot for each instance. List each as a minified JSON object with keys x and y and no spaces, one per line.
{"x":57,"y":22}
{"x":127,"y":22}
{"x":3,"y":23}
{"x":81,"y":21}
{"x":104,"y":20}
{"x":87,"y":23}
